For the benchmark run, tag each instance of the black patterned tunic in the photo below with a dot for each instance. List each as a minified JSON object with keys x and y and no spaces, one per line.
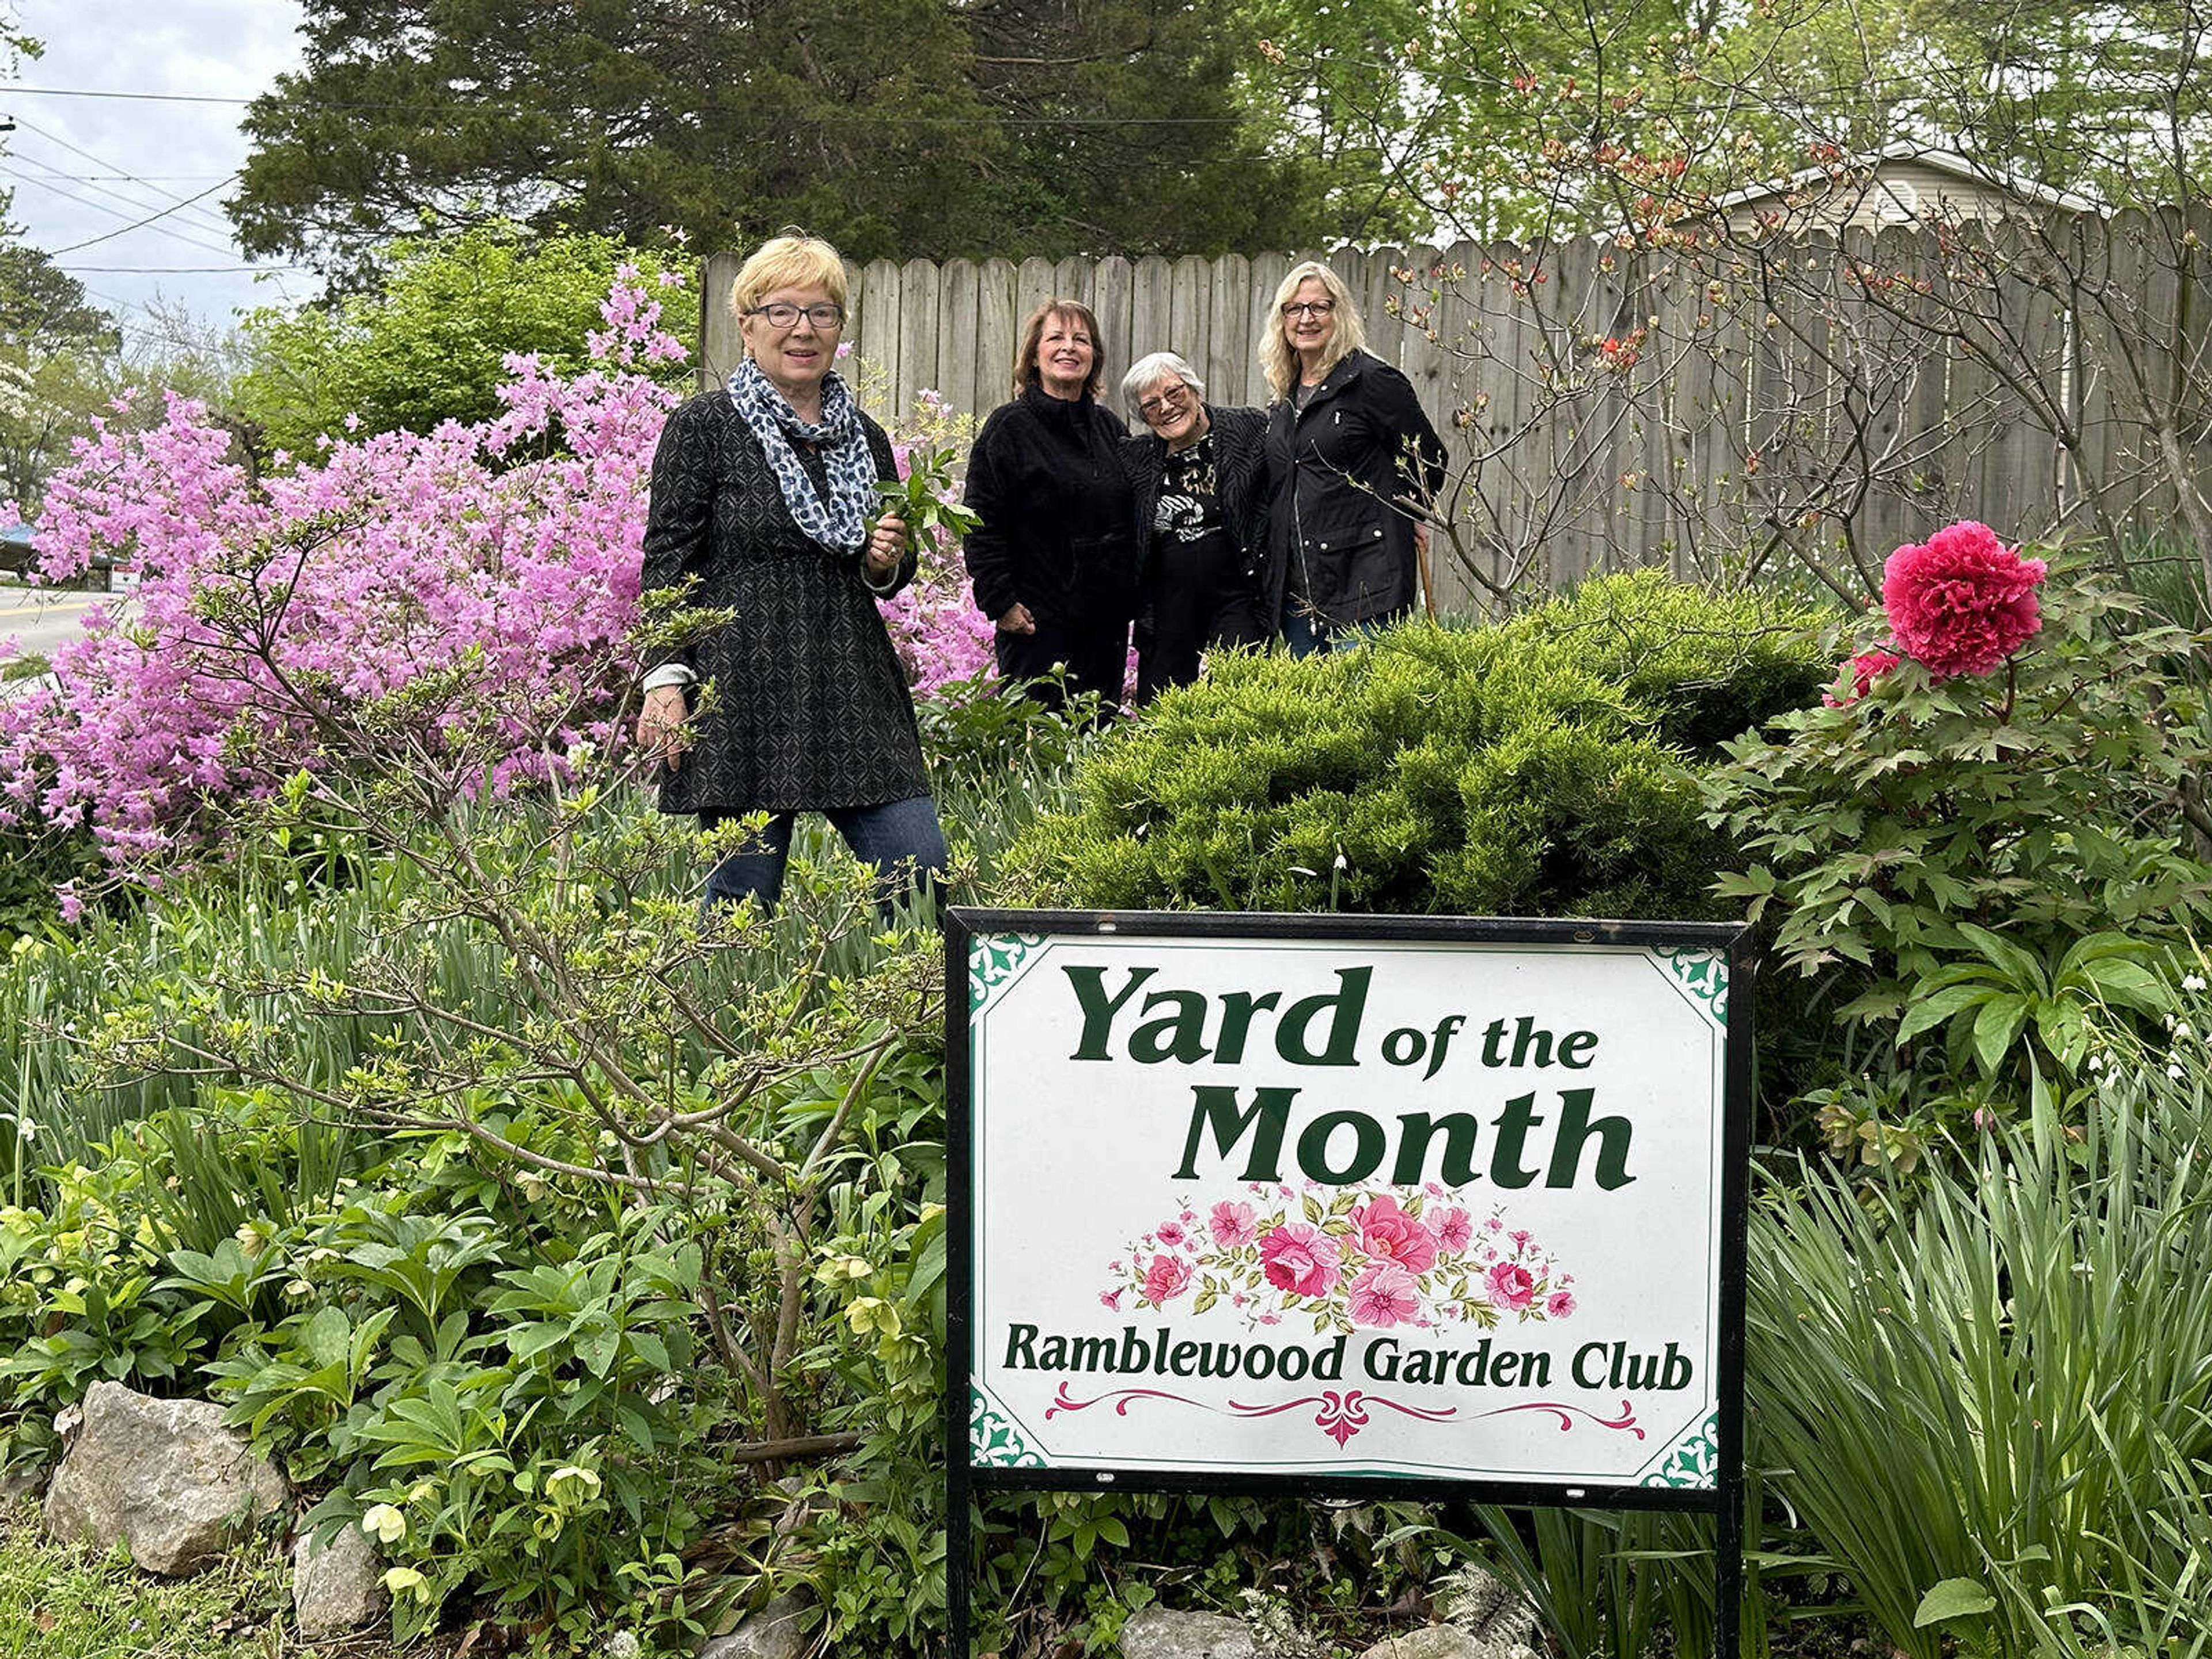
{"x":810,"y":708}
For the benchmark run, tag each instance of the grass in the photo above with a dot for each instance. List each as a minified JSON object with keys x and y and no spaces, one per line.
{"x":60,"y":1601}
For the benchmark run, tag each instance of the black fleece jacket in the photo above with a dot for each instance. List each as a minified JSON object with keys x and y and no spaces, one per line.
{"x":1045,"y":480}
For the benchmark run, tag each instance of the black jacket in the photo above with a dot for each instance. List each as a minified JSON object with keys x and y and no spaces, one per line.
{"x":1044,"y":479}
{"x":1338,"y":465}
{"x":810,"y":708}
{"x":1242,"y":480}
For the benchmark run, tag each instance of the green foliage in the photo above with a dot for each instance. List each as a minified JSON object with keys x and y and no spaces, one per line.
{"x":1999,"y":856}
{"x":1534,"y":768}
{"x":1988,"y":1395}
{"x":59,"y":357}
{"x":427,"y":345}
{"x":931,"y":129}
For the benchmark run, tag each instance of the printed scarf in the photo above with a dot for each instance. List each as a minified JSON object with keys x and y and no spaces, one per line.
{"x":841,"y":523}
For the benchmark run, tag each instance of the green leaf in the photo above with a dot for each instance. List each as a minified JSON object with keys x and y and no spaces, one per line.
{"x":1998,"y":1027}
{"x":1954,"y":1598}
{"x":1935,"y":1010}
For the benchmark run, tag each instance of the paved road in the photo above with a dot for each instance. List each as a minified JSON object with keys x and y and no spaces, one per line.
{"x":40,"y":620}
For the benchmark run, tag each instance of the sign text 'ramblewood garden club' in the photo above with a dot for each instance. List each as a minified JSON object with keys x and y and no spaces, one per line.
{"x":1436,"y":1208}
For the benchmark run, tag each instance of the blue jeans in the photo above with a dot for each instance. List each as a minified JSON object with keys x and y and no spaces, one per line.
{"x":1304,"y":633}
{"x":901,"y":841}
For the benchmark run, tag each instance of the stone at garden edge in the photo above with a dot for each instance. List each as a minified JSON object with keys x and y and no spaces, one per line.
{"x":1445,"y":1642}
{"x":165,"y":1476}
{"x":1156,"y":1633}
{"x":338,"y":1585}
{"x":776,"y":1632}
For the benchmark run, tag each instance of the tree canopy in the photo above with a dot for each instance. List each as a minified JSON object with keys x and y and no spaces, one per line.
{"x":894,"y":127}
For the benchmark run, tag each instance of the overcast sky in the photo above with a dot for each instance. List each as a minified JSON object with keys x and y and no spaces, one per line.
{"x":86,"y":166}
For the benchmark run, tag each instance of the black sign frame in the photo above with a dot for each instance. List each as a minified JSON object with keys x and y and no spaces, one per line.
{"x":966,"y":1482}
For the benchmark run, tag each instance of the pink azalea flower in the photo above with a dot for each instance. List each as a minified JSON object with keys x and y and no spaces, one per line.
{"x":1168,"y":1277}
{"x":1864,"y":670}
{"x":1300,"y":1258}
{"x":1384,"y":1294}
{"x":1389,"y":1234}
{"x":1232,"y":1225}
{"x":1559,"y":1305}
{"x":1962,"y":602}
{"x":1455,"y":1229}
{"x":1511,"y":1286}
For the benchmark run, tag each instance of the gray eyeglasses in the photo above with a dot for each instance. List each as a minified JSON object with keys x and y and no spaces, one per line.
{"x":781,"y":315}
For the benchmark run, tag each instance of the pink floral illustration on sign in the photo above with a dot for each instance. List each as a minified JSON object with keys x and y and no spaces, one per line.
{"x":1343,"y":1259}
{"x":1344,"y":1411}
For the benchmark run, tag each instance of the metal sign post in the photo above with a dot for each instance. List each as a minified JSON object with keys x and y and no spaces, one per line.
{"x":1347,"y":1207}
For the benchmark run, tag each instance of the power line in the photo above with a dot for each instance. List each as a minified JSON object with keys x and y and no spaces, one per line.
{"x":94,"y":241}
{"x":179,"y":271}
{"x":165,"y":196}
{"x":117,"y":213}
{"x":162,"y":198}
{"x":854,"y":117}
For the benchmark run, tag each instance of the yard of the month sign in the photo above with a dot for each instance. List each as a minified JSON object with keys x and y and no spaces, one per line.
{"x":1368,"y":1206}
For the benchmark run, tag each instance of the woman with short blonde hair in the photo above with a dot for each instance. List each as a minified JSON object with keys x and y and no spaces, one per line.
{"x":764,"y":495}
{"x":1357,"y":465}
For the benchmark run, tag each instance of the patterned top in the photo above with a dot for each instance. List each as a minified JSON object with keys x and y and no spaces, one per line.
{"x":810,"y":708}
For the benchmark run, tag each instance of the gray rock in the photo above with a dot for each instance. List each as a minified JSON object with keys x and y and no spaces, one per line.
{"x":164,"y":1475}
{"x":776,"y":1632}
{"x":1156,"y":1633}
{"x":336,"y":1586}
{"x":1436,"y":1642}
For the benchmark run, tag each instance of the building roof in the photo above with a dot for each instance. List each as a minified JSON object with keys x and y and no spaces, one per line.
{"x":1866,"y":170}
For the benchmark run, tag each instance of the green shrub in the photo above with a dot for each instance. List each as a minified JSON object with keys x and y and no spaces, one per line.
{"x":1987,"y":860}
{"x":1531,"y":768}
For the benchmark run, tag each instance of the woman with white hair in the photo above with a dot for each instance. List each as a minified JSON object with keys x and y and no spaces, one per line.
{"x":1354,"y":455}
{"x":1198,"y":475}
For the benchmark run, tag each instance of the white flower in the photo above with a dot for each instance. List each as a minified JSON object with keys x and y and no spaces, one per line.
{"x":2181,"y":1027}
{"x":1343,"y":863}
{"x":2096,"y":1062}
{"x":384,"y":1523}
{"x":2176,"y":1072}
{"x":2192,"y":982}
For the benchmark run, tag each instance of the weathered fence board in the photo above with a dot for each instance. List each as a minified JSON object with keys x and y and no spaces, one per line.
{"x":1774,"y":396}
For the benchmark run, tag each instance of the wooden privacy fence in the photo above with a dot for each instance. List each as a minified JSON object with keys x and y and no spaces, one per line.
{"x":1708,"y":409}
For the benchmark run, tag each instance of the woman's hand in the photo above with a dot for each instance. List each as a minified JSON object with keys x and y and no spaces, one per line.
{"x":660,"y":725}
{"x":1018,"y":620}
{"x":886,"y":547}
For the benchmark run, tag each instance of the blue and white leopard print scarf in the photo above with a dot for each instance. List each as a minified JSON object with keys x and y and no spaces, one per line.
{"x":841,"y":523}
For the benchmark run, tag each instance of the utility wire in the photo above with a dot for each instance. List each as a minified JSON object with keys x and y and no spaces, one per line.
{"x":94,"y":241}
{"x":114,"y":213}
{"x":166,"y":196}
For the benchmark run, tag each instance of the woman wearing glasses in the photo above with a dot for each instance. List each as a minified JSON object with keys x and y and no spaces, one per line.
{"x":1351,"y":448}
{"x":765,"y":493}
{"x":1200,"y":477}
{"x":1052,"y":557}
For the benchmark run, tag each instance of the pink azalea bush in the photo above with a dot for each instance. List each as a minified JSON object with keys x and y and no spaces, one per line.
{"x":506,"y":551}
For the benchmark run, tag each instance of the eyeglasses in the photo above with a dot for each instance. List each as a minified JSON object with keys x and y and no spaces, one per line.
{"x":1165,"y":401}
{"x":1309,"y":308}
{"x":781,"y":315}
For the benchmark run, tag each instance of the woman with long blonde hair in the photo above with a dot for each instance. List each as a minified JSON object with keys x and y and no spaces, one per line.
{"x":1356,"y":463}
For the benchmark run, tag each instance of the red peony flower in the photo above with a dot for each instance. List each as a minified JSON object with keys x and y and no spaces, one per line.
{"x":1962,"y":603}
{"x":1864,"y":670}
